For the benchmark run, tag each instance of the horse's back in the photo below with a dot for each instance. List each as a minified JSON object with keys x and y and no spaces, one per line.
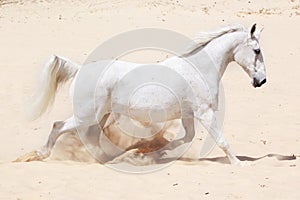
{"x":143,"y":89}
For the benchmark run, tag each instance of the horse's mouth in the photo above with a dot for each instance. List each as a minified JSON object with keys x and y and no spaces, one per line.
{"x":257,"y":83}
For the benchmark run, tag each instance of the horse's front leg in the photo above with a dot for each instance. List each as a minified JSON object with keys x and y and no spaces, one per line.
{"x":208,"y":120}
{"x":189,"y":127}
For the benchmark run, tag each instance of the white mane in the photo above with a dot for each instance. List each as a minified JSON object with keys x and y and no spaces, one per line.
{"x":203,"y":38}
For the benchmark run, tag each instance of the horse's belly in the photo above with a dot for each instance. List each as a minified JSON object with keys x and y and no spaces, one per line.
{"x":149,"y":116}
{"x":149,"y":103}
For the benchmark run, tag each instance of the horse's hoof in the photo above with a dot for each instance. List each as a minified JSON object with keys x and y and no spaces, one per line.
{"x":28,"y":157}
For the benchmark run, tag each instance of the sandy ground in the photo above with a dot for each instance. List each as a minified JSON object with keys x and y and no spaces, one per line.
{"x":262,"y":125}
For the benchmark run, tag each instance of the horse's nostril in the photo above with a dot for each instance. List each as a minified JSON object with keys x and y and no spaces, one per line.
{"x":263,"y":82}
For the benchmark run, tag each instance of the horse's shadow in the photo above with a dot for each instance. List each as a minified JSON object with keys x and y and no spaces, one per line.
{"x":224,"y":159}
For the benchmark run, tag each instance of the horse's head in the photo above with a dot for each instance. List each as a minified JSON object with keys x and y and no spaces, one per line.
{"x":248,"y":54}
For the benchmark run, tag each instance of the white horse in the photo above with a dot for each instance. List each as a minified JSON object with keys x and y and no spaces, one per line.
{"x":201,"y":68}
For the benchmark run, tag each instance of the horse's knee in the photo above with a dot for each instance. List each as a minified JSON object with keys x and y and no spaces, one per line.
{"x":222,"y":143}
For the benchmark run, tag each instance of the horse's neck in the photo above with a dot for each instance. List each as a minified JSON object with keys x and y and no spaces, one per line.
{"x":214,"y":58}
{"x":220,"y":52}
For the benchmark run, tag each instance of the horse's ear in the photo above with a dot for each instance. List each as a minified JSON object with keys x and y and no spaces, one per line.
{"x":252,"y":31}
{"x":257,"y":33}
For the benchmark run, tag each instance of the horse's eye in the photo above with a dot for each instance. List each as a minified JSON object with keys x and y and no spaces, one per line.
{"x":257,"y":51}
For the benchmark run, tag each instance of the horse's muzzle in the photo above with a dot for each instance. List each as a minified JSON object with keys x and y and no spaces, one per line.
{"x":257,"y":83}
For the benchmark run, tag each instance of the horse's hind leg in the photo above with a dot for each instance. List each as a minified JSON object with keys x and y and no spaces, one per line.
{"x":91,"y":138}
{"x":59,"y":128}
{"x":89,"y":135}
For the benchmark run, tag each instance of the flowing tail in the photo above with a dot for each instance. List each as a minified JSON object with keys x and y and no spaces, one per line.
{"x":56,"y":72}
